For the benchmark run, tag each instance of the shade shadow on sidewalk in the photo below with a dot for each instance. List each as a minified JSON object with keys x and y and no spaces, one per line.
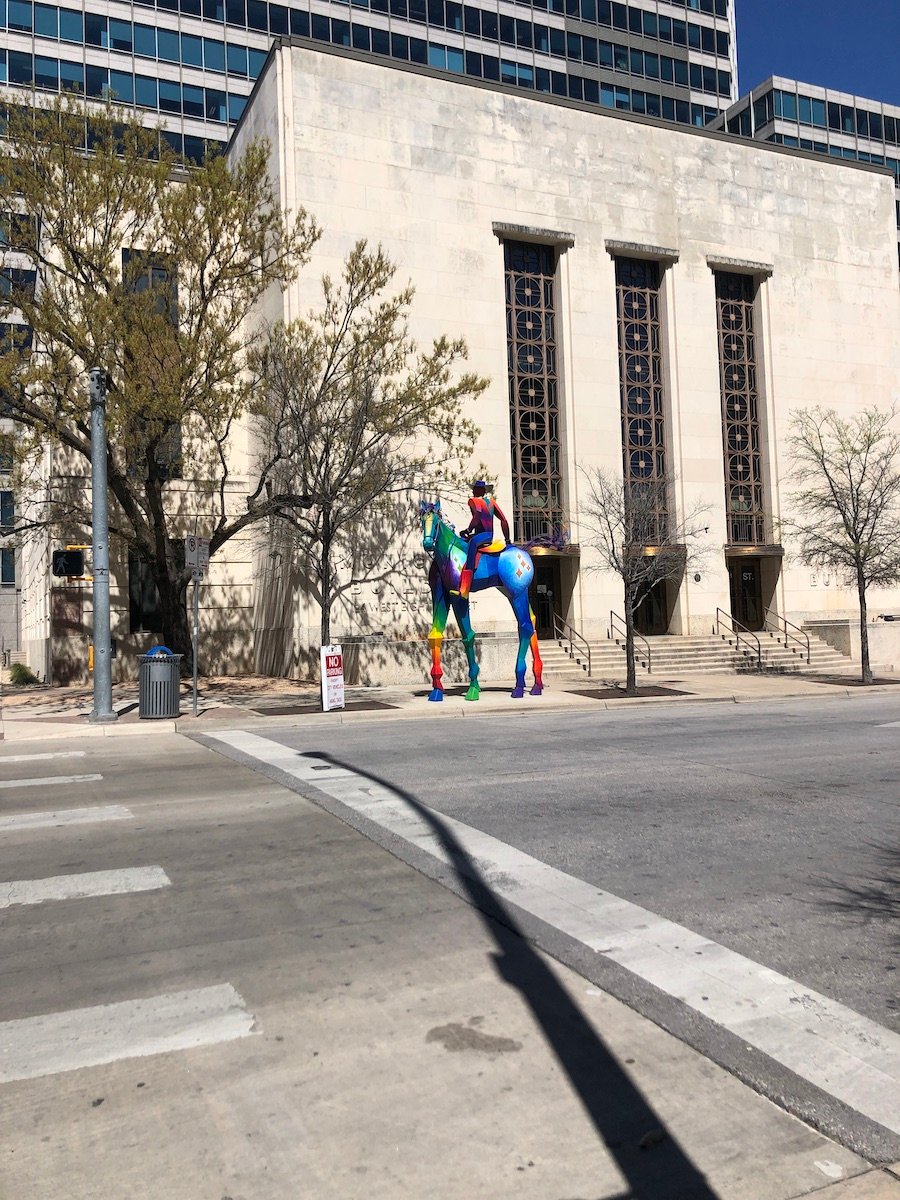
{"x":655,"y":1165}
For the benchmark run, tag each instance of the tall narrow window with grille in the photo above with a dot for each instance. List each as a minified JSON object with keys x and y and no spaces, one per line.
{"x":531,"y":340}
{"x":744,"y":491}
{"x":642,"y":394}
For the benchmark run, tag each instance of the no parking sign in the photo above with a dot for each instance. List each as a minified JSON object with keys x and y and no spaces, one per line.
{"x":332,"y":661}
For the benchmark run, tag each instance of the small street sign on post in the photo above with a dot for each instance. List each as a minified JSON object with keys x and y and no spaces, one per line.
{"x":332,"y":660}
{"x":196,"y":556}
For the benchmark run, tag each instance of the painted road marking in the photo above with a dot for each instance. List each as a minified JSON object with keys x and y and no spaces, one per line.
{"x":78,"y":887}
{"x":49,"y":781}
{"x":845,"y":1054}
{"x":89,"y":1037}
{"x":889,"y":725}
{"x":8,"y":758}
{"x":64,"y":816}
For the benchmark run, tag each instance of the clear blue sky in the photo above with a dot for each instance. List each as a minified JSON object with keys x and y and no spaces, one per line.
{"x":850,"y":45}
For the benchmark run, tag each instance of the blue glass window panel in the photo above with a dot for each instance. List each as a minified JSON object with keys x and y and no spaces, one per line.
{"x":191,"y":50}
{"x":541,"y":37}
{"x":542,"y":80}
{"x":573,"y":46}
{"x":818,"y":113}
{"x":362,"y":39}
{"x":620,"y":57}
{"x":455,"y":60}
{"x":192,"y":100}
{"x":121,"y":84}
{"x":237,"y":60}
{"x":213,"y":55}
{"x":20,"y":16}
{"x":637,"y":62}
{"x":651,"y":66}
{"x":418,"y":51}
{"x":525,"y":34}
{"x":257,"y":15}
{"x":437,"y":57}
{"x":214,"y":10}
{"x":8,"y":565}
{"x":46,"y":20}
{"x":491,"y":67}
{"x":606,"y":54}
{"x":592,"y":91}
{"x":191,"y":8}
{"x":558,"y":42}
{"x":623,"y":98}
{"x":490,"y":27}
{"x":235,"y":12}
{"x":173,"y":140}
{"x":258,"y":57}
{"x":875,"y":126}
{"x":321,"y":28}
{"x":71,"y":77}
{"x":381,"y":42}
{"x":526,"y":76}
{"x":215,"y":105}
{"x":96,"y":80}
{"x":278,"y":18}
{"x":507,"y":71}
{"x":71,"y":26}
{"x":145,"y":41}
{"x":666,"y":70}
{"x":804,"y":108}
{"x":169,"y":96}
{"x":236,"y":106}
{"x":455,"y":18}
{"x":168,"y":47}
{"x":20,"y":67}
{"x":607,"y":95}
{"x":399,"y":46}
{"x":3,"y":15}
{"x":146,"y":92}
{"x":46,"y":73}
{"x":194,"y":148}
{"x":340,"y":32}
{"x":300,"y":23}
{"x":589,"y":50}
{"x":96,"y":32}
{"x":7,"y":511}
{"x":120,"y":35}
{"x":2,"y":66}
{"x":681,"y":72}
{"x":507,"y":30}
{"x":558,"y":84}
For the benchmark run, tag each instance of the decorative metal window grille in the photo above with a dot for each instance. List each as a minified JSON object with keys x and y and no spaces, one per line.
{"x":533,"y":392}
{"x":642,"y":399}
{"x":744,"y":499}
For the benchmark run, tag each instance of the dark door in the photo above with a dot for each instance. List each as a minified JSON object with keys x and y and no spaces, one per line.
{"x":544,"y":596}
{"x":746,"y":593}
{"x":651,"y":617}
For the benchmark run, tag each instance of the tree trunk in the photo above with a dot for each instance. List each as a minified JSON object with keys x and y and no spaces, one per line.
{"x":630,"y":674}
{"x":325,"y":577}
{"x":176,"y":628}
{"x":863,"y":627}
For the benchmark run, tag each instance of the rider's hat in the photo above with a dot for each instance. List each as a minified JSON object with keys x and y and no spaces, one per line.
{"x":479,"y":483}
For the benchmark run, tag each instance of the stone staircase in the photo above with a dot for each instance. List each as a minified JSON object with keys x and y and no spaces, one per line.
{"x":673,"y":656}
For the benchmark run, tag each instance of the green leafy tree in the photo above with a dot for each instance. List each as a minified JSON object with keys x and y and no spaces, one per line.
{"x":354,"y":415}
{"x":846,"y":500}
{"x":149,"y":270}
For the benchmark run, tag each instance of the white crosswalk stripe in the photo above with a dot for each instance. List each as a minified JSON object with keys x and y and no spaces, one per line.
{"x":20,"y":758}
{"x":845,"y":1054}
{"x":105,"y":1033}
{"x":83,"y":886}
{"x":49,"y":781}
{"x":64,"y":816}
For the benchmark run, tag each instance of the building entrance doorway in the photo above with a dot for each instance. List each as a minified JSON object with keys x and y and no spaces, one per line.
{"x":746,"y":592}
{"x":546,"y":594}
{"x":651,"y":617}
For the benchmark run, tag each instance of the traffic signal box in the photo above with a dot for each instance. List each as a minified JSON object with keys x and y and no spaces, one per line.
{"x":68,"y":563}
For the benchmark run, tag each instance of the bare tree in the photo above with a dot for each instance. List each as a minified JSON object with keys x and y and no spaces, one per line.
{"x":355,"y":413}
{"x":847,"y":500}
{"x":635,"y":534}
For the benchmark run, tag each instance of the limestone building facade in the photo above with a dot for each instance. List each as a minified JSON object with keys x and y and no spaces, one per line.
{"x":637,"y":292}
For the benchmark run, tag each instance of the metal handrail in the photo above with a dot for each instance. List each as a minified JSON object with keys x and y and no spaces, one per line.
{"x":623,"y":629}
{"x":563,"y":631}
{"x":800,"y":636}
{"x":740,"y":632}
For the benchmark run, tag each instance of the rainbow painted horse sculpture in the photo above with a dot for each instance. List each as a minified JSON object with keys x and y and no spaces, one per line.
{"x":507,"y":568}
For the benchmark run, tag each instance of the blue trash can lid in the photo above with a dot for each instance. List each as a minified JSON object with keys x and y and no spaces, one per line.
{"x":159,"y":650}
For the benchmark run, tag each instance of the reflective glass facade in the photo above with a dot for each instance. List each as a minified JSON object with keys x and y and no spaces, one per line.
{"x":193,"y":62}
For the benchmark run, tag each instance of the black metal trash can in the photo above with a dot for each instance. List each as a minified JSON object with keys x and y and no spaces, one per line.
{"x":159,"y":683}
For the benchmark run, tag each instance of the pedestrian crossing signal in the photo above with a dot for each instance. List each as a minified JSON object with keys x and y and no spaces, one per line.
{"x":69,"y":563}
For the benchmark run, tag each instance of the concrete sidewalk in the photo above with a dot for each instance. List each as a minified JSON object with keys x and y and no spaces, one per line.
{"x":41,"y":712}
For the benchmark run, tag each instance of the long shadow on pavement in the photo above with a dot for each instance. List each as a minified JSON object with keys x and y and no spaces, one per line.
{"x":660,"y":1169}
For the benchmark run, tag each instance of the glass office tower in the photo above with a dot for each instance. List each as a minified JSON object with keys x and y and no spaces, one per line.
{"x":814,"y":118}
{"x":192,"y":62}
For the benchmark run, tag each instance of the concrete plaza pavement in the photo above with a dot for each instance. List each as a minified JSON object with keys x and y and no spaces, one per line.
{"x":408,"y":1044}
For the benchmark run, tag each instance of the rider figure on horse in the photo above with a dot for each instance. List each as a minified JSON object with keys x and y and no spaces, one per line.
{"x":480,"y":531}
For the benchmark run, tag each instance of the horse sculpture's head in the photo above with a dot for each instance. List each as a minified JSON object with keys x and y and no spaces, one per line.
{"x":431,"y":519}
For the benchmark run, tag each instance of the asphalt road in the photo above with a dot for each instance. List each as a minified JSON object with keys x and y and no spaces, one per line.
{"x":768,"y":834}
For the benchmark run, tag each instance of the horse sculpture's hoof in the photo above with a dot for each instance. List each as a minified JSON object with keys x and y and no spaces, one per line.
{"x":437,"y":694}
{"x":537,"y":690}
{"x":517,"y":693}
{"x":474,"y":692}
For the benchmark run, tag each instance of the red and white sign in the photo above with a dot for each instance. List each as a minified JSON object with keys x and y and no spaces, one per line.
{"x":332,"y":660}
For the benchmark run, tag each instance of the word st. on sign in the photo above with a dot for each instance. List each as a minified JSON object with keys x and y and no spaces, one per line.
{"x":332,"y":660}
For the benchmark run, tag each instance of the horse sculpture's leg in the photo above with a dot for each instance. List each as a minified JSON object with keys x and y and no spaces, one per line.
{"x":527,"y":637}
{"x":439,"y":612}
{"x":461,"y":612}
{"x":537,"y":665}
